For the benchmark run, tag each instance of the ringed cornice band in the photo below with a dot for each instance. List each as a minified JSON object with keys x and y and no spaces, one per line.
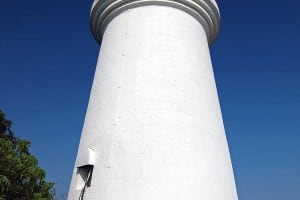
{"x":205,"y":11}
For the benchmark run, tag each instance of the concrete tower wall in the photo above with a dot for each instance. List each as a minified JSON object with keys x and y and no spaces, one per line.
{"x":153,"y":128}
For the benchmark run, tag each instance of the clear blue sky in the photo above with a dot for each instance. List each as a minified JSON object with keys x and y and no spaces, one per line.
{"x":48,"y":58}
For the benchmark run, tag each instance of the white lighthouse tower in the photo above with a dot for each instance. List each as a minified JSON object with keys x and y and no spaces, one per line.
{"x":153,"y":128}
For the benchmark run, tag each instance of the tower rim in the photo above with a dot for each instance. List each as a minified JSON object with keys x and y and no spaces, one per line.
{"x":204,"y":11}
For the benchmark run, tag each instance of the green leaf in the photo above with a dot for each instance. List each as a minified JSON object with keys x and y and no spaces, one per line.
{"x":21,"y":178}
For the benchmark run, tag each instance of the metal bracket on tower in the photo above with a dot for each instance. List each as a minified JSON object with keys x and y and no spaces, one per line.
{"x":86,"y":174}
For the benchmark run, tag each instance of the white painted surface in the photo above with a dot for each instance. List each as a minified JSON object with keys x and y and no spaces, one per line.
{"x":154,"y":120}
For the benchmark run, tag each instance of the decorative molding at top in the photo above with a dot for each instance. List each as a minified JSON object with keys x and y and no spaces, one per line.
{"x":205,"y":11}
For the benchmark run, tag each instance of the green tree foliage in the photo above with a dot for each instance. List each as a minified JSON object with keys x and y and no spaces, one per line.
{"x":20,"y":176}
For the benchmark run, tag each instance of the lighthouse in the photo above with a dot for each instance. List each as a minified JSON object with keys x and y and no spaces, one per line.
{"x":153,"y":128}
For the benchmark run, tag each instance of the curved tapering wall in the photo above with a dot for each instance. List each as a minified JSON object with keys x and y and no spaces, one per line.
{"x":153,"y":128}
